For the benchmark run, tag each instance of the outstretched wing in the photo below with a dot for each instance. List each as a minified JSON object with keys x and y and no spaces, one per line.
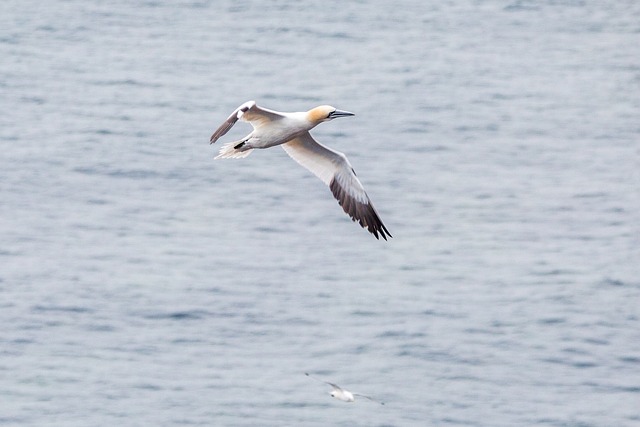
{"x":249,"y":112}
{"x":335,"y":387}
{"x":367,"y":397}
{"x":333,"y":168}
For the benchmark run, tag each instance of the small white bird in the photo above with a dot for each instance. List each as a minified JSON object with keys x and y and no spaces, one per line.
{"x":342,"y":394}
{"x":291,"y":131}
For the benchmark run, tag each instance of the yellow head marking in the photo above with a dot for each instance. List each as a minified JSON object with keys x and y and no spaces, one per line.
{"x":320,"y":113}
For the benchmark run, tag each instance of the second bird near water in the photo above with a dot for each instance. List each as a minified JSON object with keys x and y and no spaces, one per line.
{"x":291,"y":131}
{"x":343,"y":394}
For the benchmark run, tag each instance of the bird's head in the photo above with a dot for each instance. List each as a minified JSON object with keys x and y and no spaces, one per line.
{"x":324,"y":113}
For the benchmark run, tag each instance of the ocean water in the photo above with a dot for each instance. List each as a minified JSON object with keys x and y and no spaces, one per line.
{"x":142,"y":283}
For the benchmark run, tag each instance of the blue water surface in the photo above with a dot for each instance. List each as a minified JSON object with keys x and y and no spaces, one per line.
{"x":142,"y":283}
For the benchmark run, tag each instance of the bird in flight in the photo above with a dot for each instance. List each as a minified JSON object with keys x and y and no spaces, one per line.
{"x":291,"y":131}
{"x":342,"y":394}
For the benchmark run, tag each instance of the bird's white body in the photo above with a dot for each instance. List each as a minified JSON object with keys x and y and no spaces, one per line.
{"x":278,"y":131}
{"x":342,"y":394}
{"x":291,"y":131}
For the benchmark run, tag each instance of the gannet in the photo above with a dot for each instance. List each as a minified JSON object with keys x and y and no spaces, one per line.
{"x":291,"y":131}
{"x":342,"y":394}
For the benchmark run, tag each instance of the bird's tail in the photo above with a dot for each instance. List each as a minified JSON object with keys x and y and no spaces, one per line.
{"x":233,"y":150}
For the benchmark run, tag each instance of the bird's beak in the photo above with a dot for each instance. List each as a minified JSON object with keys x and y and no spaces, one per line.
{"x":340,"y":113}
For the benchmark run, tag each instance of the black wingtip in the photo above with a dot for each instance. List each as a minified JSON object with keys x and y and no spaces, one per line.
{"x":362,"y":213}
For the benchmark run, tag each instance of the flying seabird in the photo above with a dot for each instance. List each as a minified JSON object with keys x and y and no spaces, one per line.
{"x":342,"y":394}
{"x":291,"y":131}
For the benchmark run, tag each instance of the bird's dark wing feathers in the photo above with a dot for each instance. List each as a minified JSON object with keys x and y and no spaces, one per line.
{"x":362,"y":212}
